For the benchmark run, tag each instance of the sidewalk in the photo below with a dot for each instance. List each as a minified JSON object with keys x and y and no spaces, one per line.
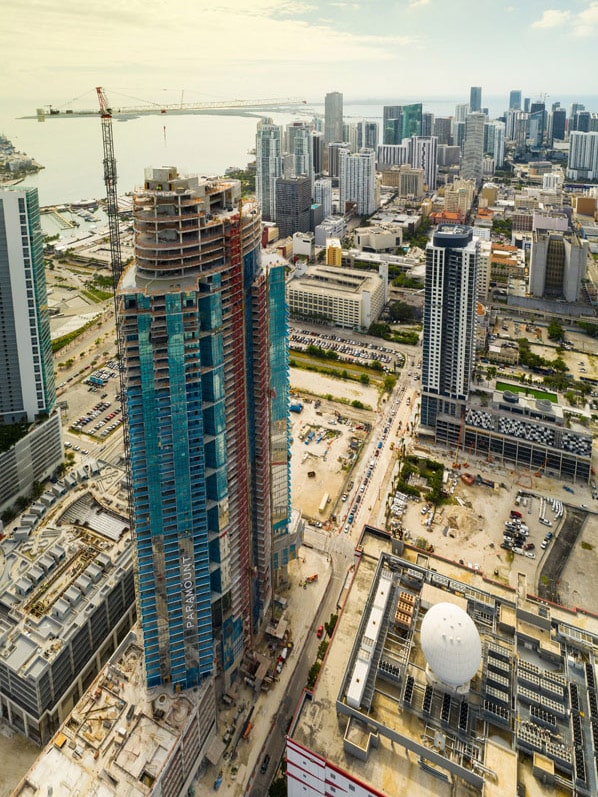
{"x":303,"y":605}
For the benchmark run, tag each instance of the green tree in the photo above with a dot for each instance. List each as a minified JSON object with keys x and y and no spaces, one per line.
{"x":589,"y":328}
{"x":37,"y":490}
{"x":364,"y":379}
{"x":312,"y":676}
{"x":278,"y":788}
{"x":559,"y":365}
{"x":401,"y":311}
{"x":380,"y":330}
{"x":389,"y":383}
{"x":555,"y":330}
{"x":330,"y":625}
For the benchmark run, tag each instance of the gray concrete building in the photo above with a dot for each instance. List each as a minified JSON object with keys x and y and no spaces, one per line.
{"x":558,"y":264}
{"x":66,"y":601}
{"x":438,"y":681}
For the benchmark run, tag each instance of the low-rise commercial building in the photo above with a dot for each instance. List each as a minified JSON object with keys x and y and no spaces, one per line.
{"x":331,"y":227}
{"x":438,"y":682}
{"x":532,"y":433}
{"x":379,"y":237}
{"x":351,"y":298}
{"x":66,"y":601}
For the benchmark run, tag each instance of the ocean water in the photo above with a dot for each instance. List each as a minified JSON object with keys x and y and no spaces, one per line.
{"x":70,"y":149}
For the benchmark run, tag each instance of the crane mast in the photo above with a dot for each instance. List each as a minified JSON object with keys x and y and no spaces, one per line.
{"x":116,"y":265}
{"x":110,"y":182}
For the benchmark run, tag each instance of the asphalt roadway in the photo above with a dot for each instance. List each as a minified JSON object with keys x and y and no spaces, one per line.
{"x":275,"y":742}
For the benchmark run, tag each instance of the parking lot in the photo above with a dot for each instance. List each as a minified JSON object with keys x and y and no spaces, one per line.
{"x":365,"y":351}
{"x":110,"y":417}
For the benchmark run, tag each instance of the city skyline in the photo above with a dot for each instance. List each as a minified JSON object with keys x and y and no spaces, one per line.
{"x":287,"y":49}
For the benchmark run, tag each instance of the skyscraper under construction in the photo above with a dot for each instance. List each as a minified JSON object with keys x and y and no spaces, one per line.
{"x":203,"y":334}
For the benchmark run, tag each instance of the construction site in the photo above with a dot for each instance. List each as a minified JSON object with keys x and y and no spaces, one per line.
{"x":327,"y":441}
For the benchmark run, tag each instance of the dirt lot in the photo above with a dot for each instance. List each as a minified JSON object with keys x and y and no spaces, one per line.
{"x":323,"y":463}
{"x":472,"y":530}
{"x":321,"y":386}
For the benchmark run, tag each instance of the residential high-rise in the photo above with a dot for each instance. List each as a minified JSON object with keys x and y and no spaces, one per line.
{"x":334,"y":151}
{"x":299,"y":145}
{"x":449,"y":323}
{"x":423,"y":155}
{"x":28,"y":393}
{"x":461,"y":111}
{"x":580,"y":121}
{"x":583,"y":156}
{"x":367,"y":134}
{"x":427,"y":124}
{"x":473,"y":147}
{"x":392,"y":155}
{"x":475,"y":99}
{"x":293,"y":204}
{"x":268,"y":160}
{"x":203,"y":382}
{"x":352,"y":135}
{"x":442,"y":129}
{"x":323,"y":195}
{"x":317,"y":151}
{"x":26,"y":354}
{"x":515,"y":100}
{"x":357,"y":181}
{"x":458,"y":134}
{"x":494,"y":141}
{"x":333,"y":117}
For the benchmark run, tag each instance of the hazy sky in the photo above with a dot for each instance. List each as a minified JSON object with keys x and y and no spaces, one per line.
{"x":53,"y":51}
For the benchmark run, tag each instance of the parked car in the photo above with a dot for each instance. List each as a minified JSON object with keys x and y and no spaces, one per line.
{"x":320,"y":632}
{"x":265,"y":763}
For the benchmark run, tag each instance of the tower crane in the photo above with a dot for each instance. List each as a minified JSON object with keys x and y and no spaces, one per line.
{"x":115,"y":262}
{"x":110,"y":182}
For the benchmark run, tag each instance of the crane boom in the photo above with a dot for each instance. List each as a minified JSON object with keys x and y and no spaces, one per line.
{"x":149,"y":108}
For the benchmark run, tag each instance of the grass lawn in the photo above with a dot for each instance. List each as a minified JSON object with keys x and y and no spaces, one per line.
{"x":528,"y":391}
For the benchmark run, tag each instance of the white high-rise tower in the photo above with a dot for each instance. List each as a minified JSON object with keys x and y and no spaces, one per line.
{"x":268,"y":159}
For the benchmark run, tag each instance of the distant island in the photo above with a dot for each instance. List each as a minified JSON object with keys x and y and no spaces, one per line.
{"x":14,"y":165}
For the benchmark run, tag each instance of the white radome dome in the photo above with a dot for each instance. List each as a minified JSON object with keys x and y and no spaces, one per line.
{"x":451,"y":644}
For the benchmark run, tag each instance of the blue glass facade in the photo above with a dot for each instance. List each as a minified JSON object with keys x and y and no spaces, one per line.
{"x":172,"y":447}
{"x":283,"y":549}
